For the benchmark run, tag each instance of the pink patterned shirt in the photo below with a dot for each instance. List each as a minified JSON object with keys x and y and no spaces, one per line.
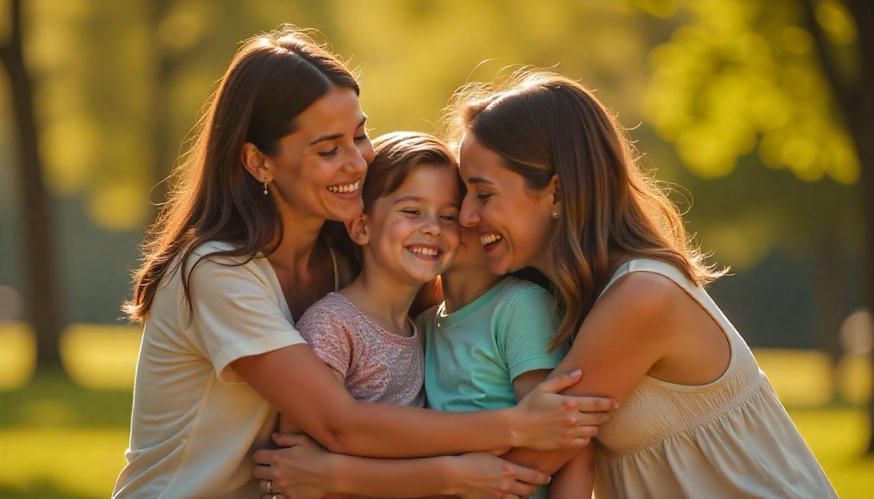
{"x":378,"y":365}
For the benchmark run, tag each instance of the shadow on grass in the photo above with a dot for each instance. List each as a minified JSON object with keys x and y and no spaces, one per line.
{"x":52,"y":399}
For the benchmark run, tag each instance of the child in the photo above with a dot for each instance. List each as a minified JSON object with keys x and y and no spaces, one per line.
{"x":487,"y":344}
{"x":408,"y":234}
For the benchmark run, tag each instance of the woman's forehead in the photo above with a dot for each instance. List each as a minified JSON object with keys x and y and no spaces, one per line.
{"x":336,"y":112}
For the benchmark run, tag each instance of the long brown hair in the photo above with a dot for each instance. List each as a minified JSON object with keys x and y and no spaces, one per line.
{"x":272,"y":78}
{"x":543,"y":124}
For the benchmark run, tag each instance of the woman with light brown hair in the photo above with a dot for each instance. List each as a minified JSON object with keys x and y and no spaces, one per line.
{"x":553,"y":183}
{"x":242,"y":248}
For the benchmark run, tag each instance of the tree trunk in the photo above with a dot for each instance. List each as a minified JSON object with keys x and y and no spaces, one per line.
{"x":42,"y":296}
{"x":831,"y":302}
{"x":862,"y":129}
{"x":163,"y":154}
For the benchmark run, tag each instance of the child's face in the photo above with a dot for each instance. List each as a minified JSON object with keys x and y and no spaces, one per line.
{"x":413,"y":232}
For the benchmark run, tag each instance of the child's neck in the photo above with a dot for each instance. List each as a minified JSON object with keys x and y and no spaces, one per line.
{"x":461,"y":287}
{"x":385,"y":300}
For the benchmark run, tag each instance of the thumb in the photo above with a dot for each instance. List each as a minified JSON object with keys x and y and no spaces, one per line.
{"x":287,"y":439}
{"x":558,"y":383}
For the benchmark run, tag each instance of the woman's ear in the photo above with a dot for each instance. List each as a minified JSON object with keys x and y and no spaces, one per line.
{"x":256,"y":163}
{"x":553,"y":193}
{"x":357,"y":229}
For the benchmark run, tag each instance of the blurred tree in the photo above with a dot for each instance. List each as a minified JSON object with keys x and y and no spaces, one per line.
{"x":42,"y":296}
{"x":791,"y":81}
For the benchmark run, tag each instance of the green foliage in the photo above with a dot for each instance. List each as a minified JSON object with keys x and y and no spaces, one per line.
{"x":737,"y":85}
{"x":740,"y":77}
{"x":119,"y":85}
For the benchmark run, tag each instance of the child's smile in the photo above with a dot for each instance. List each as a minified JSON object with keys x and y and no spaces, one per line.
{"x":413,"y":232}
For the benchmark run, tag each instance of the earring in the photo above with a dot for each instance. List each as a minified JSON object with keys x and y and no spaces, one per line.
{"x":555,"y":214}
{"x":265,"y":188}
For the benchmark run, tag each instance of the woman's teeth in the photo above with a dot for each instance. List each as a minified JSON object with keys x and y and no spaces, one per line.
{"x":343,"y":188}
{"x":487,"y":239}
{"x":423,"y":251}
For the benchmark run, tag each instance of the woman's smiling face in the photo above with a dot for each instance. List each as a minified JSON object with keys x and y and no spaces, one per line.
{"x":514,"y":222}
{"x":319,"y":168}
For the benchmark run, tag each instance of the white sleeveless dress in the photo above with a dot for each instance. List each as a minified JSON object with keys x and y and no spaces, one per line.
{"x":730,"y":438}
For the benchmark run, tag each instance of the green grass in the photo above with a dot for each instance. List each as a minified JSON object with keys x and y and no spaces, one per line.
{"x":61,"y":440}
{"x":58,"y":439}
{"x":67,"y":439}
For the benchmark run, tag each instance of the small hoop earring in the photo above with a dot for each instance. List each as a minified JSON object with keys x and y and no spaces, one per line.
{"x":265,"y":188}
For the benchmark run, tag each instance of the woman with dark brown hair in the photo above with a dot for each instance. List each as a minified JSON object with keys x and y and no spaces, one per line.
{"x":553,"y":184}
{"x":241,"y":249}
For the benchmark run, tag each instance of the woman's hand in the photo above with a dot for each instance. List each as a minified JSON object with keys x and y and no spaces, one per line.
{"x":301,"y":469}
{"x":483,"y":475}
{"x":548,"y":421}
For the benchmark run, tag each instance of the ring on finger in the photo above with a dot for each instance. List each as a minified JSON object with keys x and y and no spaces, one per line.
{"x":270,"y":487}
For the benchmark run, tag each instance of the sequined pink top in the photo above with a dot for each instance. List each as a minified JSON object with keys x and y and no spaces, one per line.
{"x":378,"y":365}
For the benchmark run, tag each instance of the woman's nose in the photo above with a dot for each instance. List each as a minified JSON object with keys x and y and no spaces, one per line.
{"x":469,"y":215}
{"x":357,"y":161}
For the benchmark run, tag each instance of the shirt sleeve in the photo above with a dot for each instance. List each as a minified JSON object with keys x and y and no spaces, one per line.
{"x":525,"y":327}
{"x":329,"y":336}
{"x":234,"y":314}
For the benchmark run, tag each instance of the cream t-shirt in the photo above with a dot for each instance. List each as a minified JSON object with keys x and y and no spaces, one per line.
{"x":195,"y":423}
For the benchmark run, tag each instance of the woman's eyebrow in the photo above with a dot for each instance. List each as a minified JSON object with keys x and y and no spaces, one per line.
{"x":335,"y":136}
{"x":479,"y":180}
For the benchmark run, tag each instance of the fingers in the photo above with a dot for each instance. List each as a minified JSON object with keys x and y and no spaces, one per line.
{"x":584,"y":432}
{"x":263,"y":473}
{"x":288,"y":439}
{"x":264,"y":456}
{"x":558,"y":383}
{"x":528,"y":475}
{"x":580,"y":442}
{"x":521,"y":489}
{"x":594,"y":418}
{"x":590,"y":404}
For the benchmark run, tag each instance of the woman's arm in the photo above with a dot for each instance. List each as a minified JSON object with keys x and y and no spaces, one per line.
{"x":624,"y":336}
{"x":299,"y":385}
{"x":312,"y":472}
{"x":576,"y":479}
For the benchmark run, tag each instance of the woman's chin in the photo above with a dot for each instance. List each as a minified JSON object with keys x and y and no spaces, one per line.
{"x":346,"y":215}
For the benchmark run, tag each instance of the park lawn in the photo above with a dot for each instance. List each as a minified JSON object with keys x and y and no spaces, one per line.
{"x":60,"y":440}
{"x":67,"y":439}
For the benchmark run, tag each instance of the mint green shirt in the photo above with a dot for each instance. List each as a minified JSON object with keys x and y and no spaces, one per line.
{"x":473,"y":355}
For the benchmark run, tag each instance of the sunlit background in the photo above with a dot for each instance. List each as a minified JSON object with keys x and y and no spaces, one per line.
{"x":741,"y":105}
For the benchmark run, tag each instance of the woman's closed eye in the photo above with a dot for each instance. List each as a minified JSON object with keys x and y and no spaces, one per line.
{"x":329,"y":153}
{"x":483,"y":196}
{"x":412,"y":211}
